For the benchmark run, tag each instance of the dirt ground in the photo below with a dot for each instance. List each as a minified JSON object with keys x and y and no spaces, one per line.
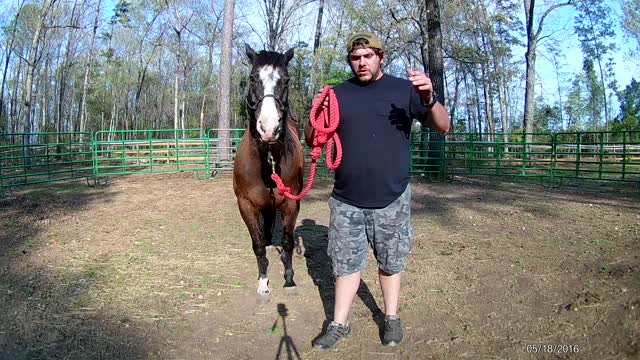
{"x":161,"y":267}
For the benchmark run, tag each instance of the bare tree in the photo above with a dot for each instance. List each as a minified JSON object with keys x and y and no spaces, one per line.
{"x":179,"y":24}
{"x":32,"y":62}
{"x":85,"y":82}
{"x":7,"y":60}
{"x":66,"y":67}
{"x":534,"y":31}
{"x":280,"y":18}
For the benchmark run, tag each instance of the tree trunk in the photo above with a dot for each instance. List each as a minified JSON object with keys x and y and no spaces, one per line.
{"x":436,"y":73}
{"x":176,"y":100}
{"x":65,"y":67}
{"x":85,"y":82}
{"x":453,"y":105}
{"x":6,"y":67}
{"x":434,"y":33}
{"x":471,"y":122}
{"x":224,"y":87}
{"x":14,"y":113}
{"x":32,"y":65}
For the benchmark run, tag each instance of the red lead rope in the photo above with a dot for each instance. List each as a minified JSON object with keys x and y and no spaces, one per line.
{"x":325,"y":121}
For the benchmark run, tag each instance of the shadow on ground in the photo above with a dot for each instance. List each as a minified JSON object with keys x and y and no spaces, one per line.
{"x":314,"y":238}
{"x":42,"y":303}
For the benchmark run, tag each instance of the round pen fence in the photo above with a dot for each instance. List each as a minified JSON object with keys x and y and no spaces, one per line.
{"x":36,"y":158}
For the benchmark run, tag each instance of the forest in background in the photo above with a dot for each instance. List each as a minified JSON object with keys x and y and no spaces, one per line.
{"x":89,"y":65}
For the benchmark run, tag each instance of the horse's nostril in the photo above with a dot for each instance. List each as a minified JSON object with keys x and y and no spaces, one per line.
{"x":262,"y":128}
{"x":277,"y":130}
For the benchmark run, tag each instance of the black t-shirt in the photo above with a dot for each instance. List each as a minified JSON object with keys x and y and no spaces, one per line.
{"x":375,"y":128}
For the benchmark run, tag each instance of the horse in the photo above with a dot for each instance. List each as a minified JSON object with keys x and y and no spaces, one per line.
{"x":270,"y":145}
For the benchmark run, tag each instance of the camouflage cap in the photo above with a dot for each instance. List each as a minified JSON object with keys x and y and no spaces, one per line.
{"x":373,"y":40}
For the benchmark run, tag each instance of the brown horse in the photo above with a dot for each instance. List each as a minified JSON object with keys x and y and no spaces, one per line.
{"x":271,"y":144}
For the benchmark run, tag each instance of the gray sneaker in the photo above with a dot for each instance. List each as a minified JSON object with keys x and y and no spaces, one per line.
{"x":392,"y":331}
{"x":331,"y":337}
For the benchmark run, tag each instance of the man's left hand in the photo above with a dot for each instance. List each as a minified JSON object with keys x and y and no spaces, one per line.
{"x":422,"y":84}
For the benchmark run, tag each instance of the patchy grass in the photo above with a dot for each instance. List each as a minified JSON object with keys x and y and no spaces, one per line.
{"x":162,"y":267}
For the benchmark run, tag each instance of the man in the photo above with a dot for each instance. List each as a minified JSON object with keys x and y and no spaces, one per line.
{"x":371,"y":197}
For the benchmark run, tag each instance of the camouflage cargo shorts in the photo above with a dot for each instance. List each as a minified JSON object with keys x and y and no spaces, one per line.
{"x":387,"y":230}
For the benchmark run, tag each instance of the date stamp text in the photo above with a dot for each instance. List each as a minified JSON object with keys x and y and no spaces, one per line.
{"x":552,"y":348}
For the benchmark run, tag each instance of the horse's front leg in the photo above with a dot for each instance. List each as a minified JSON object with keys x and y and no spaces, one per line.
{"x":251,"y":217}
{"x":289,"y":214}
{"x":268,"y":217}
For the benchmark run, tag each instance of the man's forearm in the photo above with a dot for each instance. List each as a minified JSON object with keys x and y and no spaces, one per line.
{"x":309,"y":132}
{"x":438,"y":119}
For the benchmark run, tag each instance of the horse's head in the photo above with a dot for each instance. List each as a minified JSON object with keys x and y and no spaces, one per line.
{"x":268,"y":96}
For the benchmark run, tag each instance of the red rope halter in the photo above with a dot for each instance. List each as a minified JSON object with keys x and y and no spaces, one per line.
{"x":325,"y":120}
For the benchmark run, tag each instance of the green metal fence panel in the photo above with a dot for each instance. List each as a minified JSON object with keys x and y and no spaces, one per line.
{"x":223,"y":144}
{"x":611,"y":156}
{"x":36,"y":158}
{"x":426,"y":153}
{"x":126,"y":152}
{"x":495,"y":154}
{"x":222,"y":154}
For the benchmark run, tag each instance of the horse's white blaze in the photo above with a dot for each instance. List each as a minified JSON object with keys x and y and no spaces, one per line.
{"x":269,"y":119}
{"x":263,"y":286}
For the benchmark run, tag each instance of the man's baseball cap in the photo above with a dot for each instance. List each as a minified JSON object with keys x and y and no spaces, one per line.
{"x":373,"y":40}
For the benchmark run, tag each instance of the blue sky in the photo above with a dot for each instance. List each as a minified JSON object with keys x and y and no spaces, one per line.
{"x":559,"y":25}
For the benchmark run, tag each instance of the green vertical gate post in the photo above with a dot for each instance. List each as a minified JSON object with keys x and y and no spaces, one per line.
{"x":498,"y":152}
{"x":411,"y":162}
{"x":443,"y":157}
{"x":1,"y":181}
{"x":24,"y":156}
{"x":178,"y":153}
{"x":150,"y":151}
{"x":524,"y":154}
{"x":601,"y":153}
{"x":624,"y":154}
{"x":207,"y":156}
{"x":124,"y":159}
{"x":472,"y":156}
{"x":578,"y":152}
{"x":552,"y":167}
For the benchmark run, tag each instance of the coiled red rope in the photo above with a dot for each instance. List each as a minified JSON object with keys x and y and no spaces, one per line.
{"x":324,"y":120}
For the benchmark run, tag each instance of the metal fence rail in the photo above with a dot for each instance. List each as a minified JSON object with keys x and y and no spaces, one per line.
{"x":126,"y":152}
{"x":611,"y":156}
{"x":34,"y":158}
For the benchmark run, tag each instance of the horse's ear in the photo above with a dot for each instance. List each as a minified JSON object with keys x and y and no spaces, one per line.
{"x":250,"y":52}
{"x":289,"y":55}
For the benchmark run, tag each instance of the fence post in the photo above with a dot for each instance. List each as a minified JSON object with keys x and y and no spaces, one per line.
{"x":552,"y":167}
{"x":443,"y":156}
{"x":498,"y":152}
{"x":624,"y":154}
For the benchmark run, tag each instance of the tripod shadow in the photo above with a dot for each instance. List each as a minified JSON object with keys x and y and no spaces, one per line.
{"x":285,"y":341}
{"x":314,"y":238}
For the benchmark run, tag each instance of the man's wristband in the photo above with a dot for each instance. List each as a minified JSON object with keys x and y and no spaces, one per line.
{"x":430,"y":104}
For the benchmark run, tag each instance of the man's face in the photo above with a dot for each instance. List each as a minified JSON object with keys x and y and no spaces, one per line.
{"x":365,"y":64}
